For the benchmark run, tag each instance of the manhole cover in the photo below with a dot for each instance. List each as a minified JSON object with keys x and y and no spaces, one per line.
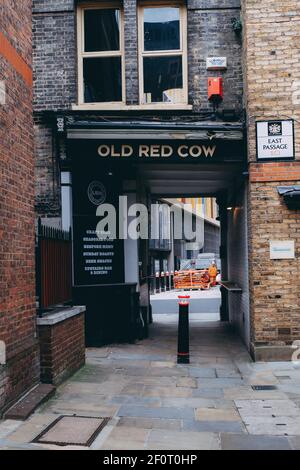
{"x":72,"y":430}
{"x":263,"y":387}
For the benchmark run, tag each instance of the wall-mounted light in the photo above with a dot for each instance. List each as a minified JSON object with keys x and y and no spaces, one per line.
{"x":291,"y":196}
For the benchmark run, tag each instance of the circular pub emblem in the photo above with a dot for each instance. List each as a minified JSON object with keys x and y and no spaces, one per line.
{"x":96,"y":192}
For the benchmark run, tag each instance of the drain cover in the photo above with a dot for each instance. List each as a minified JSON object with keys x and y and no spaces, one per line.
{"x":72,"y":430}
{"x":263,"y":387}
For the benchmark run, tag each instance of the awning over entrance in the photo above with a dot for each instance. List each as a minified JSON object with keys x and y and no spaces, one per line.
{"x":172,"y":158}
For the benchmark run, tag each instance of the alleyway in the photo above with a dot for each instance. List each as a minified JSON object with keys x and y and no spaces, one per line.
{"x":155,"y":404}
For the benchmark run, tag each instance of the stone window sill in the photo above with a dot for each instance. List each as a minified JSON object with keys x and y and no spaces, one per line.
{"x":125,"y":107}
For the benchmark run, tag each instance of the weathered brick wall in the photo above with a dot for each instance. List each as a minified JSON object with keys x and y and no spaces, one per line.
{"x":131,"y":51}
{"x":272,"y":70}
{"x":210,"y":34}
{"x":62,"y":349}
{"x":47,"y":187}
{"x":17,"y":264}
{"x":54,"y":55}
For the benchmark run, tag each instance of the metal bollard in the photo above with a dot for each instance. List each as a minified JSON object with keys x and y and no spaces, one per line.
{"x":157,"y":283}
{"x":172,"y":280}
{"x":163,"y":282}
{"x":167,"y":281}
{"x":183,"y":351}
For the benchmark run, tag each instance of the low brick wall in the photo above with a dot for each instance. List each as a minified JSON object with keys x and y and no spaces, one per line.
{"x":62,"y":344}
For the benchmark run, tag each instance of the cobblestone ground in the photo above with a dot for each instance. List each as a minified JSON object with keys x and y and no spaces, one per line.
{"x":154,"y":403}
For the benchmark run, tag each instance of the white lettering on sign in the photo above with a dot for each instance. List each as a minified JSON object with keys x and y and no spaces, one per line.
{"x":157,"y":151}
{"x":275,"y":139}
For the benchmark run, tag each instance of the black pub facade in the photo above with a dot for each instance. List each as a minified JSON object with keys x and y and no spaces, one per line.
{"x":144,"y":100}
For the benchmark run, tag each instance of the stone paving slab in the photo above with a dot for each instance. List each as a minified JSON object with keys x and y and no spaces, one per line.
{"x":190,"y":402}
{"x":8,"y":426}
{"x":151,"y":423}
{"x":167,"y":391}
{"x":203,"y":372}
{"x":129,"y":438}
{"x":271,"y":408}
{"x":162,"y":412}
{"x":213,"y":414}
{"x":214,"y":426}
{"x":159,"y":439}
{"x":250,"y":442}
{"x":186,"y":382}
{"x":281,"y":425}
{"x":247,"y":393}
{"x":208,"y":393}
{"x":220,"y":383}
{"x":227,"y":373}
{"x":294,"y":442}
{"x":31,"y":428}
{"x":135,"y":400}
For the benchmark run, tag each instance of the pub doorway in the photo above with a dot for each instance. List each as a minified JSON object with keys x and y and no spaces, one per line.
{"x":189,"y":265}
{"x":143,"y":173}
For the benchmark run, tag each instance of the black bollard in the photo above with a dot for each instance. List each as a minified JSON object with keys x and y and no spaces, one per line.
{"x":183,"y":352}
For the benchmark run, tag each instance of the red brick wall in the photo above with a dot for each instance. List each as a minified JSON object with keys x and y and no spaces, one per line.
{"x":62,"y":349}
{"x":17,"y":264}
{"x":275,"y":171}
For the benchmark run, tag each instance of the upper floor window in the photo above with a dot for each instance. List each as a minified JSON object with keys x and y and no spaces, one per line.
{"x":162,"y":53}
{"x":101,"y":64}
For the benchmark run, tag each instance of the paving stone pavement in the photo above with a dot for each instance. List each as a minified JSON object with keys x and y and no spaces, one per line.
{"x":154,"y":403}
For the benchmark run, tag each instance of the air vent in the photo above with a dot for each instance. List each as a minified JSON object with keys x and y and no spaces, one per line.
{"x":263,"y":387}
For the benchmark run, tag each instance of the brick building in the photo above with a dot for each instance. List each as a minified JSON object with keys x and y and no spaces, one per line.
{"x":147,"y":84}
{"x":272,"y":68}
{"x":19,"y":365}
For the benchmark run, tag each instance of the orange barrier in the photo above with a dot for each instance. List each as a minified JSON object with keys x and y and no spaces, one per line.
{"x":192,"y":279}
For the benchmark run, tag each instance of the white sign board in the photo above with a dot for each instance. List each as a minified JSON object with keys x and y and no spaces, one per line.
{"x":282,"y":249}
{"x":275,"y":140}
{"x":216,"y":63}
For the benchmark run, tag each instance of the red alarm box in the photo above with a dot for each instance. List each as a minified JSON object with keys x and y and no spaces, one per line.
{"x":215,"y":88}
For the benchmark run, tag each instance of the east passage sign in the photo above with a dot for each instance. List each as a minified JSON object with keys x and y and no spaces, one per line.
{"x":275,"y":140}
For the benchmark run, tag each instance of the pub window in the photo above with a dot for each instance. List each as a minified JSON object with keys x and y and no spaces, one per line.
{"x":101,"y":64}
{"x":162,"y":53}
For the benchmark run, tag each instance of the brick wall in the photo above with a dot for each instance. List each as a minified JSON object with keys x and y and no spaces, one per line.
{"x":17,"y":265}
{"x":271,"y":65}
{"x":55,"y":62}
{"x":210,"y":34}
{"x":62,"y":349}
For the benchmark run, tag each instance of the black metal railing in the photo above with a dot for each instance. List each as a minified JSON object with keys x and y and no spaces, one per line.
{"x":53,"y":266}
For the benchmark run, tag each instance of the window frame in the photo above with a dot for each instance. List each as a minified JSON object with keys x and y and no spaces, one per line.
{"x":163,"y":53}
{"x":81,"y":54}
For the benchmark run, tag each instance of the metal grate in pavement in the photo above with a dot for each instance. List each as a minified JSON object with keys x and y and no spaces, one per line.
{"x":263,"y":387}
{"x":72,"y":430}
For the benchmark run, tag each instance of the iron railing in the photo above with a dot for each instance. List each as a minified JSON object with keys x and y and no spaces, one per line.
{"x":53,"y":266}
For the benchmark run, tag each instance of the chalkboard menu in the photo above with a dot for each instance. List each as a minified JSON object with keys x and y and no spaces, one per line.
{"x":97,"y":260}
